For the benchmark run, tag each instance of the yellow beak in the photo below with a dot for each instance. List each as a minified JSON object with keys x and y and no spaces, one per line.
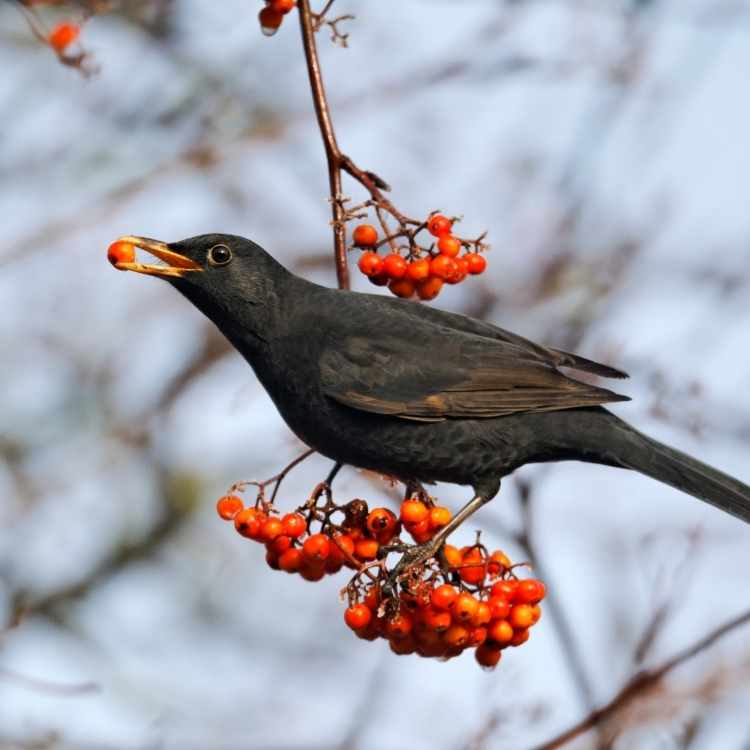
{"x":177,"y":265}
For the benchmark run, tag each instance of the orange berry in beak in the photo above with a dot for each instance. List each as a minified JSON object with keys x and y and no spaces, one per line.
{"x":121,"y":252}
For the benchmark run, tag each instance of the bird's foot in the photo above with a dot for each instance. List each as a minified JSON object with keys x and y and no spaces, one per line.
{"x":412,"y":563}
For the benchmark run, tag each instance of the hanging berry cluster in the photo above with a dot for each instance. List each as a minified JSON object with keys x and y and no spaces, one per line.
{"x":464,"y":599}
{"x":272,"y":15}
{"x":424,"y":270}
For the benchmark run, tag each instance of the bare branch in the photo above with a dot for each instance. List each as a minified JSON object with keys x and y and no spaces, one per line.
{"x":642,"y":681}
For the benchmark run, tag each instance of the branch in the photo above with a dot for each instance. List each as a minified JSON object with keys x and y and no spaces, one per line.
{"x":642,"y":681}
{"x":333,"y":155}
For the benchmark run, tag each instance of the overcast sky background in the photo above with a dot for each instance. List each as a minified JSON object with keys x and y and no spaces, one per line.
{"x":604,"y":148}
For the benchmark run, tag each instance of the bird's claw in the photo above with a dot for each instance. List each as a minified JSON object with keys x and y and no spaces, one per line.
{"x":413,"y":557}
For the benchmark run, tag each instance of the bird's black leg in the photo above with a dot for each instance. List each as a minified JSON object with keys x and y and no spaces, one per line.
{"x":332,"y":474}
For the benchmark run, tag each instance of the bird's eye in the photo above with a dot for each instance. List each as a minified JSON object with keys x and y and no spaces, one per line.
{"x":219,"y":255}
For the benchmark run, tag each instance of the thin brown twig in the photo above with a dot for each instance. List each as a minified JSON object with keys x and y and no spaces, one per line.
{"x":333,"y":154}
{"x":276,"y":479}
{"x":642,"y":681}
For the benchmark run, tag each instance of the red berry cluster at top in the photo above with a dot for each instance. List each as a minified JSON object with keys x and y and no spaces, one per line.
{"x":273,"y":14}
{"x":422,"y":274}
{"x":467,"y":599}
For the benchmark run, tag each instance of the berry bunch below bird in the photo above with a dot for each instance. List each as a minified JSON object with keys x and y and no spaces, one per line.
{"x":461,"y":599}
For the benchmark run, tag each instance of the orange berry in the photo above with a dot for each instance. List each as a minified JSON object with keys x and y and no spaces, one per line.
{"x":272,"y":560}
{"x":444,"y":596}
{"x":62,"y":36}
{"x":452,"y":555}
{"x":506,"y":588}
{"x":418,"y":270}
{"x":382,"y":523}
{"x":280,"y":544}
{"x":429,"y":288}
{"x":366,"y":549}
{"x":294,"y":525}
{"x":473,"y":567}
{"x":437,"y":620}
{"x":358,"y":616}
{"x":477,"y":636}
{"x":403,"y":646}
{"x":477,"y":263}
{"x":403,"y":288}
{"x":365,"y":235}
{"x":422,"y":533}
{"x":270,"y":20}
{"x":414,"y":511}
{"x":333,"y":564}
{"x":316,"y":548}
{"x":399,"y":626}
{"x":419,"y":529}
{"x":521,"y":616}
{"x":456,"y":636}
{"x":312,"y":571}
{"x":520,"y":637}
{"x":499,"y":607}
{"x":371,"y":264}
{"x":249,"y":523}
{"x":460,"y":271}
{"x":372,"y":631}
{"x":379,"y":279}
{"x":487,"y":656}
{"x":482,"y":616}
{"x":500,"y":631}
{"x":229,"y":506}
{"x":465,"y":607}
{"x":449,"y":245}
{"x":394,"y":266}
{"x":438,"y":225}
{"x":439,"y":517}
{"x":282,"y":6}
{"x":536,"y":611}
{"x":498,"y":563}
{"x":271,"y":528}
{"x":530,"y":591}
{"x":443,"y":267}
{"x":121,"y":252}
{"x":291,"y":560}
{"x":342,"y":549}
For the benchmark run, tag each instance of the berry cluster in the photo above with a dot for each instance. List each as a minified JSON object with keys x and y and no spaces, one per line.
{"x":435,"y":618}
{"x":424,"y":271}
{"x":291,"y":545}
{"x":464,"y":598}
{"x":273,"y":14}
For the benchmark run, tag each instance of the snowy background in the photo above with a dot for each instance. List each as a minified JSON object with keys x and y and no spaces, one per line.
{"x":604,"y":145}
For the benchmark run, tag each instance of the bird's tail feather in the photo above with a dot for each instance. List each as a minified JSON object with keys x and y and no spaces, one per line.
{"x":633,"y":450}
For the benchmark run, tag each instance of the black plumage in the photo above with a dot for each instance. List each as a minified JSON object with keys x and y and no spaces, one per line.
{"x":411,"y":391}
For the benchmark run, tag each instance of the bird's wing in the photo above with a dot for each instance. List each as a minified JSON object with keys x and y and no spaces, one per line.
{"x":554,"y":357}
{"x":435,"y":372}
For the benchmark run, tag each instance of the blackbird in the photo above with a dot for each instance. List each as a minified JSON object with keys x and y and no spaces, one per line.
{"x":411,"y":391}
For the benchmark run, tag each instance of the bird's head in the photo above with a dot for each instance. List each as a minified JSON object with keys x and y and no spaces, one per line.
{"x":229,"y":278}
